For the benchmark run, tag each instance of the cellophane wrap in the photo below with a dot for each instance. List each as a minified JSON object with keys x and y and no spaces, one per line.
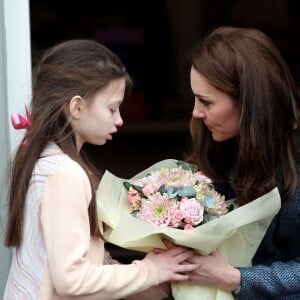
{"x":237,"y":234}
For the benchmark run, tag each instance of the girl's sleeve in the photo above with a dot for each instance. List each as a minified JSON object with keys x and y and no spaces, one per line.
{"x":65,"y":223}
{"x":158,"y":292}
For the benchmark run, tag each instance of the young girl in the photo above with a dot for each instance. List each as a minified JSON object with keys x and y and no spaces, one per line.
{"x":58,"y":250}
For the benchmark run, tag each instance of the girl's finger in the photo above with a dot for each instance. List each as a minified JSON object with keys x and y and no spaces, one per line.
{"x":158,"y":250}
{"x":169,"y":244}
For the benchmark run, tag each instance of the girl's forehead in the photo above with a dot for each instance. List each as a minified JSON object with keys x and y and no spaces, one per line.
{"x":113,"y":92}
{"x":115,"y":86}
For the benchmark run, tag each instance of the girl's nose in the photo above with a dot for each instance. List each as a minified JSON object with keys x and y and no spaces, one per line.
{"x":119,"y":121}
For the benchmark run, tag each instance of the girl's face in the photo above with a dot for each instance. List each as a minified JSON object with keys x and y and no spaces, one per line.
{"x":97,"y":119}
{"x":217,"y":109}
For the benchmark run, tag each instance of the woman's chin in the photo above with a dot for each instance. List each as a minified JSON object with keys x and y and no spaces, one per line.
{"x":219,"y":138}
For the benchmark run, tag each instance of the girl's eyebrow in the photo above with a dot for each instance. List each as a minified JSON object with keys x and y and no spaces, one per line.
{"x":119,"y":102}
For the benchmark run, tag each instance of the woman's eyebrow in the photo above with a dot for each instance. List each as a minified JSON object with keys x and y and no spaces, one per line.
{"x":201,"y":96}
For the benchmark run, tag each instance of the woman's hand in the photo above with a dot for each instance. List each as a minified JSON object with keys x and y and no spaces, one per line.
{"x":213,"y":270}
{"x":171,"y":265}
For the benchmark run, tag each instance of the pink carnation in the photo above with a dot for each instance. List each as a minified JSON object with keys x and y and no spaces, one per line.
{"x":202,"y":178}
{"x":158,"y":210}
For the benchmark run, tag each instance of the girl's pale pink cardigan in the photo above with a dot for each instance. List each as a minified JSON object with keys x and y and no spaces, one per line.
{"x":58,"y":259}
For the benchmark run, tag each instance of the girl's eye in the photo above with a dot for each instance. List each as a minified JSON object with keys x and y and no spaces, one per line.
{"x":113,"y":110}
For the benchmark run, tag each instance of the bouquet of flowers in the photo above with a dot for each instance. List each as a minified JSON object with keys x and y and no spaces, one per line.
{"x":178,"y":197}
{"x":236,"y":232}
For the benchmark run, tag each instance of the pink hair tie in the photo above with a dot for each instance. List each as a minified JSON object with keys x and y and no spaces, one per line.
{"x":20,"y":122}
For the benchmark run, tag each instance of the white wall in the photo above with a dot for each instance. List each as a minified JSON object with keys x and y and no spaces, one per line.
{"x":15,"y":88}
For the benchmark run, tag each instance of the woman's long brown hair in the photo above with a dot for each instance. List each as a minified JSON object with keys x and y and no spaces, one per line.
{"x":245,"y":64}
{"x":76,"y":67}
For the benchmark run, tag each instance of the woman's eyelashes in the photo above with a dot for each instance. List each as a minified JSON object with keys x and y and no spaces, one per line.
{"x":204,"y":102}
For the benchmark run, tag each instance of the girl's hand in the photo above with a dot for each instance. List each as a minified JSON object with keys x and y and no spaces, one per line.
{"x":170,"y":265}
{"x":213,"y":270}
{"x":169,"y":245}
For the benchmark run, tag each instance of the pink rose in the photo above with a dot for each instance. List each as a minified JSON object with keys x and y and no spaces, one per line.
{"x":188,"y":227}
{"x":178,"y":215}
{"x":188,"y":220}
{"x":183,"y":199}
{"x":193,"y":211}
{"x":149,"y":190}
{"x":134,"y":198}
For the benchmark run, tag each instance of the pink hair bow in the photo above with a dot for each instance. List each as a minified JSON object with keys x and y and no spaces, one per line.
{"x":20,"y":122}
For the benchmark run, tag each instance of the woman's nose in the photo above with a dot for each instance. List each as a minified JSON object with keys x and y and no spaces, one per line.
{"x":198,"y":111}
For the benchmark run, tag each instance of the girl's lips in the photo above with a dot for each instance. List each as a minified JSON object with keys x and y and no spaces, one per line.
{"x":110,"y":135}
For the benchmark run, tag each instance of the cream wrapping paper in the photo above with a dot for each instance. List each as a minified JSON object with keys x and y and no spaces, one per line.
{"x":237,"y":234}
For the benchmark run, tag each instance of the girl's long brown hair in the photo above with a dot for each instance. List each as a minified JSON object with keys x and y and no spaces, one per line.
{"x":76,"y":67}
{"x":245,"y":64}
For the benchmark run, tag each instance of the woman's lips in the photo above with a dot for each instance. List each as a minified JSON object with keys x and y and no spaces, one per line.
{"x":208,"y":127}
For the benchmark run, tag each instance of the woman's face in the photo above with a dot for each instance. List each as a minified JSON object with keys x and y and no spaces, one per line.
{"x":217,"y":109}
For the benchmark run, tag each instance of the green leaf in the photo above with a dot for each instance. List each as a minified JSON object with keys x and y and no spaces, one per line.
{"x":207,"y":218}
{"x":184,"y":165}
{"x":209,"y":201}
{"x":162,"y":189}
{"x":127,"y":185}
{"x":134,"y":213}
{"x":171,"y":191}
{"x":186,"y":191}
{"x":230,"y":207}
{"x":139,"y":189}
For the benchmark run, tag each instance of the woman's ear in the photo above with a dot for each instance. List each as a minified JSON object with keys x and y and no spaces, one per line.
{"x":76,"y":107}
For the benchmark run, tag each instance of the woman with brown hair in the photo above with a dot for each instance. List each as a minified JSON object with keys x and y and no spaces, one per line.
{"x":244,"y":128}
